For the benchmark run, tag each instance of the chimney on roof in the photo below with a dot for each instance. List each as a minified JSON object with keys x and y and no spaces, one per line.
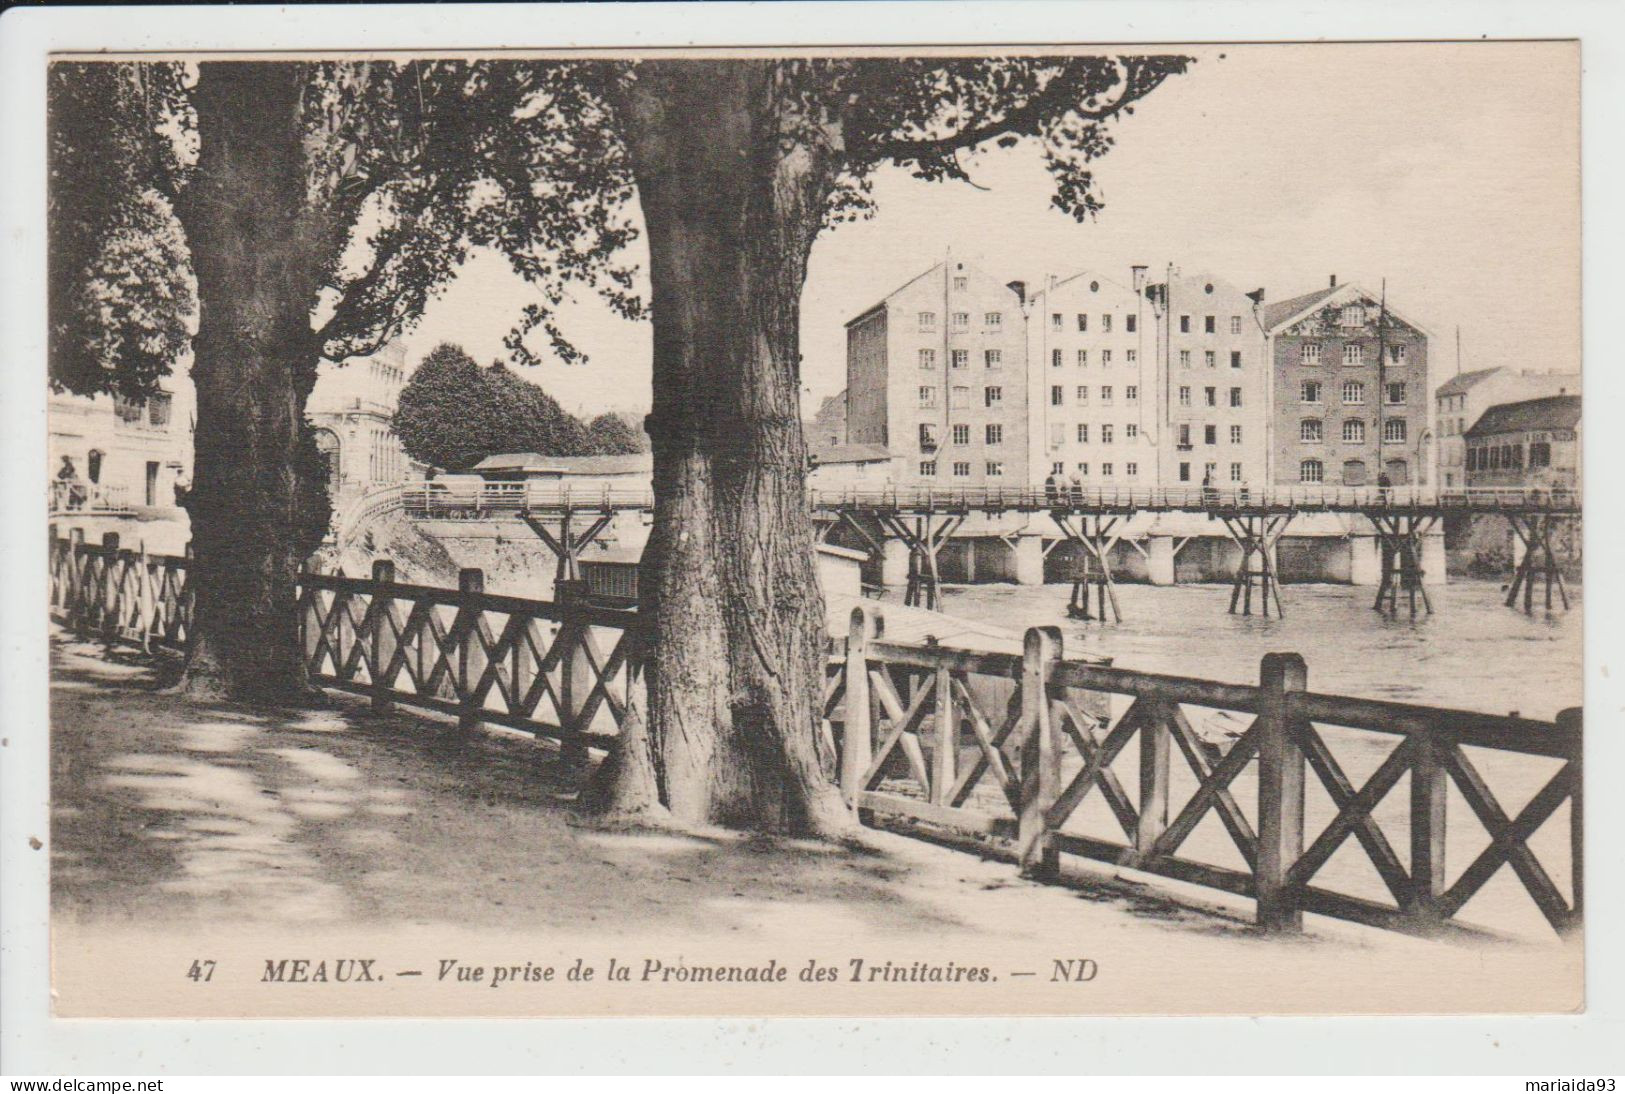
{"x":1139,"y":278}
{"x":1334,"y":281}
{"x":1020,"y":289}
{"x":1257,"y":295}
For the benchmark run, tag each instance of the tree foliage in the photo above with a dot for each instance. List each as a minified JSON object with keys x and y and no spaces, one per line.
{"x":453,"y":414}
{"x":615,"y":434}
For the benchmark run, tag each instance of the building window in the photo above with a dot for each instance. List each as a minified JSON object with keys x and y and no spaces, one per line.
{"x":1055,"y":358}
{"x":1353,"y":392}
{"x":1106,"y":395}
{"x":961,"y":284}
{"x":1083,"y":358}
{"x":1106,"y":470}
{"x":1184,"y":396}
{"x":1309,"y":391}
{"x":1184,"y":324}
{"x":1235,"y":472}
{"x":1210,"y":359}
{"x":1235,"y":358}
{"x":1106,"y":434}
{"x":961,"y":468}
{"x":1057,"y":321}
{"x":1083,"y":432}
{"x":1354,"y":431}
{"x":1540,"y":454}
{"x":1057,"y":395}
{"x":1235,"y":396}
{"x":995,"y":468}
{"x":1131,"y":469}
{"x":1353,"y":354}
{"x":928,"y":322}
{"x":993,"y":319}
{"x":1311,"y":471}
{"x":961,"y":358}
{"x":1184,"y":358}
{"x":1184,"y":472}
{"x":1235,"y":324}
{"x":993,"y":396}
{"x":1353,"y":316}
{"x":928,"y":435}
{"x":995,"y":433}
{"x":1083,"y":393}
{"x":928,"y":468}
{"x":1309,"y":431}
{"x":961,"y":320}
{"x":1393,"y":431}
{"x":1131,"y":430}
{"x":158,"y":409}
{"x":1211,"y":396}
{"x":1353,"y":472}
{"x":1396,"y":355}
{"x":993,"y":358}
{"x":1057,"y":434}
{"x":928,"y":358}
{"x":1132,"y":356}
{"x":1395,"y":394}
{"x":1235,"y":434}
{"x":962,"y":433}
{"x":1210,"y":434}
{"x":1083,"y":323}
{"x":1130,"y":323}
{"x":128,"y":411}
{"x":928,"y":396}
{"x":1058,"y":468}
{"x":1105,"y":324}
{"x":1309,"y":353}
{"x":1210,"y":324}
{"x":1184,"y":434}
{"x":1083,"y":469}
{"x":1131,"y":393}
{"x":1105,"y":358}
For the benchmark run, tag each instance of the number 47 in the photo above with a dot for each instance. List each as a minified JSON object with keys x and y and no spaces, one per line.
{"x":201,"y":971}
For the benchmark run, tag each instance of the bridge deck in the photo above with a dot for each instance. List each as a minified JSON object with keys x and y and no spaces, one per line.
{"x":432,"y":499}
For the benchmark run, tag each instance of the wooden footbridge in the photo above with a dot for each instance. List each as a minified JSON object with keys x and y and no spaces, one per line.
{"x":924,"y":520}
{"x":1296,"y":808}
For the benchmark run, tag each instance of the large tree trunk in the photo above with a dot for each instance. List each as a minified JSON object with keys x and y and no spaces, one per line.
{"x":731,"y":203}
{"x":252,"y":246}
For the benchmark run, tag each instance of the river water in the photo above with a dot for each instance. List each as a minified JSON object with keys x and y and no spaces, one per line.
{"x":1472,"y":653}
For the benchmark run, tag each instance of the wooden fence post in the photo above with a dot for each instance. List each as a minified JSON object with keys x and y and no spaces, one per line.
{"x":1570,"y":723}
{"x":383,"y":645}
{"x":1039,"y":756}
{"x":857,"y":733}
{"x":576,"y":677}
{"x":1429,"y":787}
{"x":1280,"y":792}
{"x":111,"y":587}
{"x":1155,"y":770}
{"x":469,"y":581}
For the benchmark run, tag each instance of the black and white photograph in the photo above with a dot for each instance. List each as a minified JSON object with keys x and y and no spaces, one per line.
{"x":1067,"y":529}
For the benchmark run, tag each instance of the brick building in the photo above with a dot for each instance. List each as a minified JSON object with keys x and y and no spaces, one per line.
{"x":1462,"y":400}
{"x":1350,"y":398}
{"x":1091,"y":354}
{"x":1213,"y":404}
{"x":937,"y":374}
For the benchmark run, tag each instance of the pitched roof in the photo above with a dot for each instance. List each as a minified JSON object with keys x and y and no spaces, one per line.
{"x":1282,"y":310}
{"x":629,"y":464}
{"x":1458,"y":385}
{"x":1552,"y":412}
{"x":850,"y":453}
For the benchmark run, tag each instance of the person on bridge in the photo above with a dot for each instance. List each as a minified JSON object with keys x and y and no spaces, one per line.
{"x":1050,"y":490}
{"x":1385,"y":488}
{"x":69,"y":488}
{"x":1076,"y":489}
{"x":1210,"y":493}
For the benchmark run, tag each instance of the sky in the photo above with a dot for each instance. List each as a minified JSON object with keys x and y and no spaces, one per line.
{"x":1449,"y":170}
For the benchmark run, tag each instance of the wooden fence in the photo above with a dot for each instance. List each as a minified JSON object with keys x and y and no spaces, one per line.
{"x":922,"y":741}
{"x":1049,"y":757}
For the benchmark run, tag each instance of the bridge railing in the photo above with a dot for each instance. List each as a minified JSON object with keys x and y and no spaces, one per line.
{"x":453,"y":499}
{"x":118,"y":594}
{"x":1266,"y":791}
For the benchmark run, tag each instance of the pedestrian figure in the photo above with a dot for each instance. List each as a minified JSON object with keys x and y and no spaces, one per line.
{"x":1050,"y":490}
{"x":1385,"y":488}
{"x":1210,"y":493}
{"x":1076,"y":489}
{"x":67,"y":478}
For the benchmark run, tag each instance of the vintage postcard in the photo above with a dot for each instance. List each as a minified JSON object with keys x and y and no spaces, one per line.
{"x":1072,"y":529}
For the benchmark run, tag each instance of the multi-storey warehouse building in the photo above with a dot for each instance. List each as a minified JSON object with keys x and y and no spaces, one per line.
{"x":1091,"y":357}
{"x":1351,"y":391}
{"x":937,"y":373}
